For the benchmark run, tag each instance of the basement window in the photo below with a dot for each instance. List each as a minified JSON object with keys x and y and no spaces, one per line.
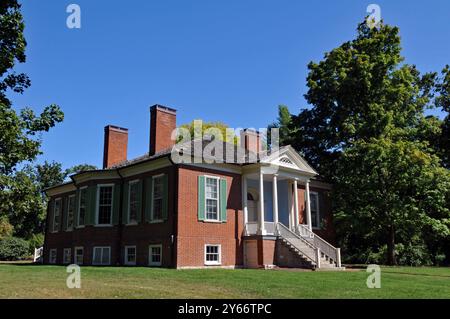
{"x":102,"y":256}
{"x":130,"y":255}
{"x":79,"y":255}
{"x":67,"y":255}
{"x":52,"y":257}
{"x":155,"y":255}
{"x":212,"y":255}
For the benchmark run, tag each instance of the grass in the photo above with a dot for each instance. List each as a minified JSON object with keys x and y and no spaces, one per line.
{"x":38,"y":281}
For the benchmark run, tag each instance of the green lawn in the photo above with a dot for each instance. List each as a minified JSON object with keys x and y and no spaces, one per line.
{"x":37,"y":281}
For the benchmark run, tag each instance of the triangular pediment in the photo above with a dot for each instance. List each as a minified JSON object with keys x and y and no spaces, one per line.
{"x":288,"y":157}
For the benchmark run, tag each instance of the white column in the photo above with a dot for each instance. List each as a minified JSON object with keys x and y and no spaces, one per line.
{"x":338,"y":257}
{"x":275,"y":199}
{"x":295,"y":204}
{"x":244,"y":199}
{"x":261,"y":226}
{"x":318,"y":257}
{"x":290,"y":205}
{"x":308,"y":206}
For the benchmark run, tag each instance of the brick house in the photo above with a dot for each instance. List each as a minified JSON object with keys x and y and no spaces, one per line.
{"x":153,"y":211}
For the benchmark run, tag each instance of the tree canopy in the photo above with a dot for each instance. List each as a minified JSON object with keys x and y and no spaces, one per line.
{"x":20,"y":142}
{"x":366,"y":132}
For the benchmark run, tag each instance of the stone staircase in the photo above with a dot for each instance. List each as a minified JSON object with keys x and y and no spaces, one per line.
{"x":295,"y":250}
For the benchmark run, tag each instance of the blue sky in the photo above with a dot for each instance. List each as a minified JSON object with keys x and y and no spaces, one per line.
{"x":227,"y":60}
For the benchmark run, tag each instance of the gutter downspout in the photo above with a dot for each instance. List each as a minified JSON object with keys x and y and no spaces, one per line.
{"x":174,"y":235}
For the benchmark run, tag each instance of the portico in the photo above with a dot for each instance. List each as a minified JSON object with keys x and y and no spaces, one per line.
{"x":270,"y":193}
{"x":270,"y":198}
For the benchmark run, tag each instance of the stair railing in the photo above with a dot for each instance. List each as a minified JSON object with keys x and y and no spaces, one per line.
{"x":331,"y":252}
{"x":288,"y":235}
{"x":38,"y":254}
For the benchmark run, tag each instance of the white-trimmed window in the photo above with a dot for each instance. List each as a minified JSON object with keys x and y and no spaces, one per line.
{"x":67,"y":256}
{"x":213,"y":255}
{"x":212,"y":198}
{"x":52,"y":256}
{"x":155,"y":255}
{"x":57,"y":214}
{"x":101,"y":256}
{"x":133,"y":202}
{"x":130,"y":255}
{"x":82,"y":206}
{"x":104,"y":204}
{"x":157,"y":197}
{"x":315,"y":213}
{"x":79,"y":255}
{"x":70,"y":212}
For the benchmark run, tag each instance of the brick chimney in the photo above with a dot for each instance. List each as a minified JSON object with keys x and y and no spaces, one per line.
{"x":115,"y":147}
{"x":163,"y":120}
{"x":251,"y":140}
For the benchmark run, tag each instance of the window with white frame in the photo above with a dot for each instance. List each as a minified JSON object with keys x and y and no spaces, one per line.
{"x":82,"y":206}
{"x":104,"y":204}
{"x":52,"y":257}
{"x":70,"y":212}
{"x":155,"y":255}
{"x":67,"y":255}
{"x":57,"y":214}
{"x":130,"y":255}
{"x":79,"y":255}
{"x":158,"y":194}
{"x":102,"y":256}
{"x":212,"y":255}
{"x":133,"y":202}
{"x":315,"y":214}
{"x":212,"y":198}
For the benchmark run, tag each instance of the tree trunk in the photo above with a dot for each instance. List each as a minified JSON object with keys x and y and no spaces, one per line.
{"x":391,"y":247}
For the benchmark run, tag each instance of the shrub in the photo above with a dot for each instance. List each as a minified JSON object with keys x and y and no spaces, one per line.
{"x":36,"y":241}
{"x":13,"y":248}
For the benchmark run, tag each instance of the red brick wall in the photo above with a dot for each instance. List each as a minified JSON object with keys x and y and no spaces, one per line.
{"x":119,"y":236}
{"x":266,"y":252}
{"x":194,"y":234}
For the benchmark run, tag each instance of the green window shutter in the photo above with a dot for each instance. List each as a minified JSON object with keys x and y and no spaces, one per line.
{"x":201,"y":198}
{"x":223,"y":200}
{"x":50,"y":215}
{"x":116,"y":204}
{"x":139,"y":198}
{"x":165,"y":196}
{"x":91,"y":205}
{"x":125,"y":203}
{"x":77,"y":201}
{"x":65,"y":213}
{"x":148,"y":199}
